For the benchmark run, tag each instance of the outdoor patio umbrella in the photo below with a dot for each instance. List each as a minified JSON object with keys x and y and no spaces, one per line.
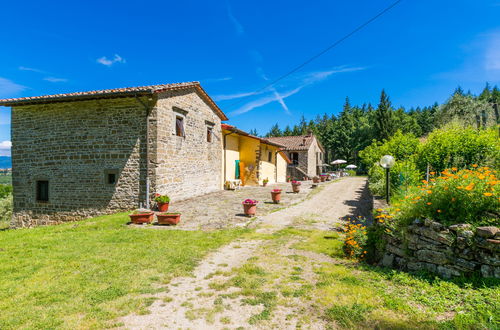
{"x":338,"y":161}
{"x":351,"y":166}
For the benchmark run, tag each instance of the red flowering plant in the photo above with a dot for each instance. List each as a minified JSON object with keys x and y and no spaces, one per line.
{"x":250,"y":202}
{"x":162,"y":198}
{"x":296,"y":183}
{"x":276,"y":190}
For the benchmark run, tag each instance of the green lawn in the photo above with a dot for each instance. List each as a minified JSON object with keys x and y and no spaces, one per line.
{"x":86,"y":274}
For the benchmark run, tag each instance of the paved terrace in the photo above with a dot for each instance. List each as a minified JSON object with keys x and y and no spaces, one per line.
{"x":223,"y":208}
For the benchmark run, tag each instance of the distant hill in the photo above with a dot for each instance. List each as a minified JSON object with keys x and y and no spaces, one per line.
{"x":5,"y":162}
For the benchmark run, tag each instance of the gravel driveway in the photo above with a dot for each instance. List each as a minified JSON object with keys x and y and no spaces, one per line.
{"x":198,"y":303}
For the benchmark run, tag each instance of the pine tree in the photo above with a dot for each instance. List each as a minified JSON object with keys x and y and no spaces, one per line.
{"x":254,"y":132}
{"x":384,"y":126}
{"x":274,"y":131}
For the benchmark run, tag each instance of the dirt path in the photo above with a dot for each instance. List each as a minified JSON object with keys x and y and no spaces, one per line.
{"x":214,"y":298}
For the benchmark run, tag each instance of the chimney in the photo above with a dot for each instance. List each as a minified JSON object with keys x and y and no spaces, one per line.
{"x":309,"y":133}
{"x":303,"y":141}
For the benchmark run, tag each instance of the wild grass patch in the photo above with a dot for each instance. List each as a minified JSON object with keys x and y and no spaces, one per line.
{"x":86,"y":274}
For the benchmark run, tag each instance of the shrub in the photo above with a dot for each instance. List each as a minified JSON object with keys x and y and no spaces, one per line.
{"x":403,"y":174}
{"x":5,"y":190}
{"x":400,"y":146}
{"x":459,"y":147}
{"x":453,"y":196}
{"x":355,"y":241}
{"x":5,"y":211}
{"x":162,"y":199}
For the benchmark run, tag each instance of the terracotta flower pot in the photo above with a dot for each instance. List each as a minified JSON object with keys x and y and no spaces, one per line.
{"x":168,"y":218}
{"x":163,"y":207}
{"x":264,"y":184}
{"x":250,"y":209}
{"x":323,"y":178}
{"x":141,"y":217}
{"x":276,"y":196}
{"x":315,"y":179}
{"x":296,"y":188}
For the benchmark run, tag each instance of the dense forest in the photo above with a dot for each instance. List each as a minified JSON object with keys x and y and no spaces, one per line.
{"x":356,"y":127}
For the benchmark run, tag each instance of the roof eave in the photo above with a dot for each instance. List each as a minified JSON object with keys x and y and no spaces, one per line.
{"x":70,"y":98}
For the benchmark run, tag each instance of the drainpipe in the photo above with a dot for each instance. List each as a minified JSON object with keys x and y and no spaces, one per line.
{"x":147,"y":150}
{"x":276,"y":166}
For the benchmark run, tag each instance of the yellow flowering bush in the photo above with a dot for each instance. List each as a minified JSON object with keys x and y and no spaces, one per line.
{"x":453,"y":196}
{"x":355,"y":241}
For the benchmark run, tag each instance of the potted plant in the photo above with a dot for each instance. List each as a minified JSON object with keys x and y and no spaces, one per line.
{"x":265,"y":182}
{"x":288,"y":178}
{"x":323,"y":177}
{"x":296,"y":186}
{"x":315,"y":179}
{"x":168,"y":218}
{"x":276,"y":195}
{"x":250,"y":206}
{"x":141,"y":216}
{"x":328,"y":177}
{"x":162,"y":201}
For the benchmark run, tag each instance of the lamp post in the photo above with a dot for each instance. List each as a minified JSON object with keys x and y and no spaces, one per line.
{"x":387,"y":162}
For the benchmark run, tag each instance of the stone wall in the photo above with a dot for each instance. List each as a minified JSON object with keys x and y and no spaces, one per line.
{"x":188,"y":166}
{"x":72,"y":145}
{"x":457,"y":250}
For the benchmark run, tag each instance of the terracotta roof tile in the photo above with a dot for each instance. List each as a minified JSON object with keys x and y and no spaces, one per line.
{"x":115,"y":92}
{"x":300,"y":142}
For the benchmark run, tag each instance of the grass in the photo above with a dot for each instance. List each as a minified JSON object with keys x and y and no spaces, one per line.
{"x":88,"y":273}
{"x":5,"y":179}
{"x":357,"y":296}
{"x":347,"y":294}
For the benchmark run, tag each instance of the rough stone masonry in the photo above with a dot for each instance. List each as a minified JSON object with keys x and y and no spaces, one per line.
{"x":457,"y":250}
{"x":93,"y":154}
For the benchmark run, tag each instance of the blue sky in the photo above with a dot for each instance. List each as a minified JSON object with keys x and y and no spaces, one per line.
{"x":419,"y":52}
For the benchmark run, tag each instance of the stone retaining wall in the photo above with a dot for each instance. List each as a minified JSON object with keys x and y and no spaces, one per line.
{"x":457,"y":250}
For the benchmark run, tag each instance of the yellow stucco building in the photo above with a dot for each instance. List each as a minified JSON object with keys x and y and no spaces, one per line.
{"x":251,"y":159}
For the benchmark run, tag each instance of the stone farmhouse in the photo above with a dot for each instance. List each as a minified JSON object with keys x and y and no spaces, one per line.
{"x":305,"y":152}
{"x":83,"y":154}
{"x":249,"y":159}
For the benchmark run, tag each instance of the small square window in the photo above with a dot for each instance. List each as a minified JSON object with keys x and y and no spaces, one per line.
{"x":42,"y":191}
{"x":209,"y":134}
{"x":179,"y":126}
{"x":111,"y":178}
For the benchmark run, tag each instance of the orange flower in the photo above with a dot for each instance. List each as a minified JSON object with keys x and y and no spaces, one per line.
{"x":488,"y":194}
{"x":469,"y":187}
{"x":429,"y":191}
{"x":453,"y":199}
{"x":453,"y":168}
{"x":432,"y":173}
{"x":438,"y":211}
{"x":429,"y":203}
{"x":474,"y":165}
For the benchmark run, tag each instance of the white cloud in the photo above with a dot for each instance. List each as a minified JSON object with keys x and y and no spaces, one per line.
{"x":5,"y":147}
{"x":55,"y":80}
{"x":8,"y":88}
{"x":237,"y":26}
{"x":109,"y":62}
{"x":301,"y":80}
{"x":263,"y":101}
{"x":224,"y":97}
{"x":212,"y":80}
{"x":23,"y":68}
